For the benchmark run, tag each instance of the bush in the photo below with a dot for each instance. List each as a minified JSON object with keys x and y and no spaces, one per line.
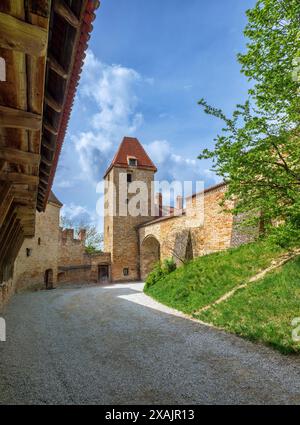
{"x":160,"y":271}
{"x":169,"y":266}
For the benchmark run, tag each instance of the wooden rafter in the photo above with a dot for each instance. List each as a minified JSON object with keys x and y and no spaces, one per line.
{"x":46,"y":162}
{"x":56,"y":106}
{"x":62,"y":9}
{"x":49,"y":146}
{"x":56,"y":67}
{"x":50,"y":128}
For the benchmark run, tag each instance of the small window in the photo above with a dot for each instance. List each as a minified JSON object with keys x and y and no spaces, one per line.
{"x":28,"y":252}
{"x":39,"y":241}
{"x":126,"y":272}
{"x":129,"y":177}
{"x":108,"y":229}
{"x":132,"y":162}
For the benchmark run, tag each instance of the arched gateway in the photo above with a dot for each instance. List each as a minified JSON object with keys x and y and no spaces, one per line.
{"x":150,"y":255}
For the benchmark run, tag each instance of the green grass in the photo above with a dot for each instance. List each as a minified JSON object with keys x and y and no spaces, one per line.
{"x":207,"y":278}
{"x":264,"y":310}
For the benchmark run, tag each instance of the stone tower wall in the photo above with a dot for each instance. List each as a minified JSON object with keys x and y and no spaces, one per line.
{"x":120,"y":233}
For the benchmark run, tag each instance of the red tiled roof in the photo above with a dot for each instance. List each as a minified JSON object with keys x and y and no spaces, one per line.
{"x":208,"y":189}
{"x":86,"y":29}
{"x":131,"y":147}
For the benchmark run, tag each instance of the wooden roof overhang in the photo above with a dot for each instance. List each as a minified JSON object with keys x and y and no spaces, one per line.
{"x":43,"y":45}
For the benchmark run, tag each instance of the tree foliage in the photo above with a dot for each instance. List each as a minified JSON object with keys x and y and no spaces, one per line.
{"x":258,"y":150}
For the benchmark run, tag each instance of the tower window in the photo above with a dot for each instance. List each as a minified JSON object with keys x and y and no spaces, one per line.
{"x":132,"y":162}
{"x":28,"y":252}
{"x":126,"y":271}
{"x":129,"y":177}
{"x":39,"y":241}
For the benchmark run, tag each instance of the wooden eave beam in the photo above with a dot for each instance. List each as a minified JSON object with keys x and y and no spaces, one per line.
{"x":20,"y":178}
{"x":2,"y":165}
{"x":24,"y":193}
{"x":13,"y":235}
{"x":16,"y":156}
{"x":6,"y":199}
{"x":10,"y":229}
{"x":63,"y":10}
{"x":17,"y":118}
{"x":21,"y":36}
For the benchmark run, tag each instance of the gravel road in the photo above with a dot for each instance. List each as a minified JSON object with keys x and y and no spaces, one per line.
{"x":114,"y":345}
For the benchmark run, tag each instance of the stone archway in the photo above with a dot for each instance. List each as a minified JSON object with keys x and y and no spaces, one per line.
{"x":149,"y":256}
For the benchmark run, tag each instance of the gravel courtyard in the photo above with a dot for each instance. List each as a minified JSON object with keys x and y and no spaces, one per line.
{"x":113,"y":345}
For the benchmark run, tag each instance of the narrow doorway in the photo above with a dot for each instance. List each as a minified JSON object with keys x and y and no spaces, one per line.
{"x":103,"y":273}
{"x":49,"y":279}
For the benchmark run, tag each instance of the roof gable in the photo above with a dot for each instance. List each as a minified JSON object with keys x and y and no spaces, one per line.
{"x":130,"y":147}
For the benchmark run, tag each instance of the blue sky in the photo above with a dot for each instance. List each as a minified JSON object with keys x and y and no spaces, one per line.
{"x":148,"y":63}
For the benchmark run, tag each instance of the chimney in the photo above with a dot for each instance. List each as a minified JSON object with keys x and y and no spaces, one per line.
{"x":158,"y":204}
{"x":179,"y":202}
{"x":82,"y":235}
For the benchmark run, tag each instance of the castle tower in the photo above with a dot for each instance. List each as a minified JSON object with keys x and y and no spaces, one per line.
{"x":130,"y":166}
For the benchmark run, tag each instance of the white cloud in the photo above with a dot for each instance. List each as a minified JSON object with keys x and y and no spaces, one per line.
{"x":81,"y":214}
{"x":112,"y":89}
{"x":172,"y":166}
{"x":63,"y":184}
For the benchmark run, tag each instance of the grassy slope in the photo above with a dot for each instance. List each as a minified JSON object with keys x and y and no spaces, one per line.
{"x":264,"y":310}
{"x":207,"y":278}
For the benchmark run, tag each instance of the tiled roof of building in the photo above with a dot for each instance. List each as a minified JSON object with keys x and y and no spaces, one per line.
{"x":130,"y":147}
{"x":53,"y":199}
{"x":82,"y":45}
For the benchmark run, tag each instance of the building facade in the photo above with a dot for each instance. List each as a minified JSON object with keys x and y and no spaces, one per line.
{"x":136,"y":243}
{"x":134,"y":240}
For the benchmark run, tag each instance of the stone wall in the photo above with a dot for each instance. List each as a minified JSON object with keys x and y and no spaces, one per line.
{"x":6,"y":291}
{"x":39,"y":253}
{"x":71,"y":249}
{"x":120,"y":233}
{"x":203,"y":228}
{"x":86,"y":271}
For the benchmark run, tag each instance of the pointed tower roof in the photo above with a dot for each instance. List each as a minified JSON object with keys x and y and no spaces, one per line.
{"x":130,"y":147}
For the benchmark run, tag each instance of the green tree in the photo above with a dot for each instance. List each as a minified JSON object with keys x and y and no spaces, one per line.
{"x":258,"y":150}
